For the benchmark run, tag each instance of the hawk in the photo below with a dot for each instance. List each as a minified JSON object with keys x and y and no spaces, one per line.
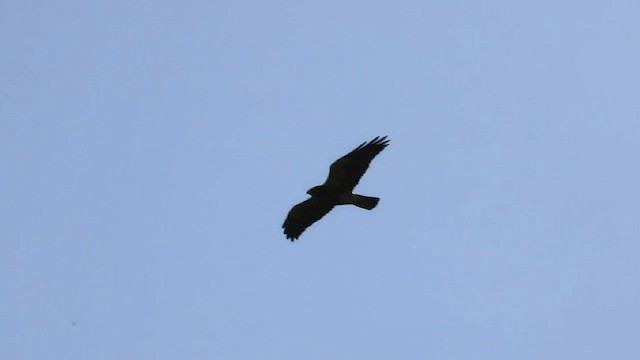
{"x":344,"y":175}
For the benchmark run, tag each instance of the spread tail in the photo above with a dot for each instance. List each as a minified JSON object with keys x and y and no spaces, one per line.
{"x":365,"y":202}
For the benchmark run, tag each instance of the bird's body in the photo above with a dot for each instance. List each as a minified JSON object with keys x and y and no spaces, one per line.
{"x":342,"y":196}
{"x":344,"y":175}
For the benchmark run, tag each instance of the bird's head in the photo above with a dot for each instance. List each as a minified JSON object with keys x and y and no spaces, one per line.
{"x":316,"y":191}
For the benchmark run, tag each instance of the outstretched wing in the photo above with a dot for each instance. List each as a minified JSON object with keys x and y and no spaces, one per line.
{"x":347,"y":171}
{"x":303,"y":215}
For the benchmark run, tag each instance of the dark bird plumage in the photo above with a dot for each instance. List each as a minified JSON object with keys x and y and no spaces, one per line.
{"x":344,"y":175}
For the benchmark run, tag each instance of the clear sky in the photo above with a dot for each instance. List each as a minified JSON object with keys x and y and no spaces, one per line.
{"x":150,"y":150}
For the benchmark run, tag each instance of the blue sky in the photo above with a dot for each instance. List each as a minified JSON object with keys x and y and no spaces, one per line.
{"x":151,"y":150}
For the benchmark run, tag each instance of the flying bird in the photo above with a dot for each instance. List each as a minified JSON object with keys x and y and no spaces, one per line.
{"x":344,"y":175}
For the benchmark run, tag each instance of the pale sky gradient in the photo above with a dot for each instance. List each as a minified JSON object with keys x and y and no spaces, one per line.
{"x":150,"y":150}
